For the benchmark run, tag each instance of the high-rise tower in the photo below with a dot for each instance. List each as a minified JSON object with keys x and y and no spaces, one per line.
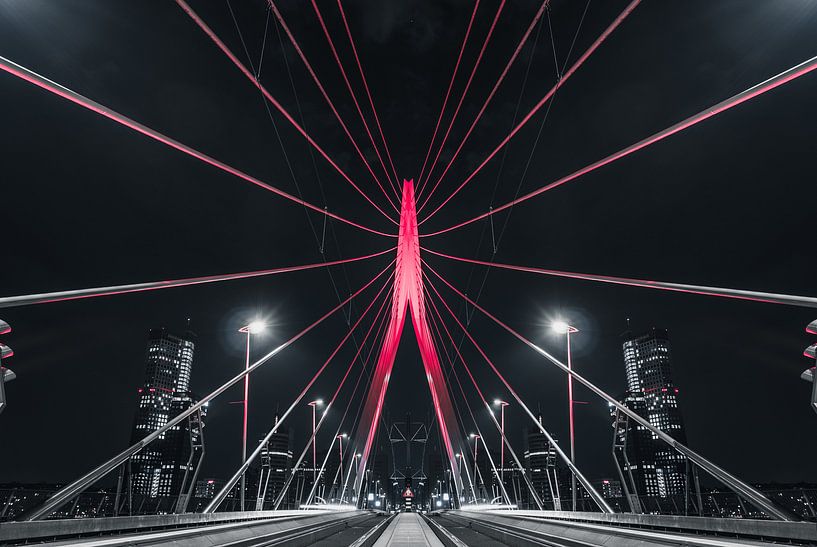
{"x":276,"y":464}
{"x":652,"y":393}
{"x":541,"y":463}
{"x":161,"y":467}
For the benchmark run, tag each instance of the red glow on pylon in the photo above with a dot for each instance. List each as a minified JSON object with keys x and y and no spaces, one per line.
{"x":408,"y":295}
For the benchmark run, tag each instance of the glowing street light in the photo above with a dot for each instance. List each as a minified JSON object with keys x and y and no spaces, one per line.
{"x":255,"y":327}
{"x":562,"y":327}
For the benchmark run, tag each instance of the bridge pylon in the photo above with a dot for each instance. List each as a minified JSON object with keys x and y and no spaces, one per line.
{"x":408,"y":298}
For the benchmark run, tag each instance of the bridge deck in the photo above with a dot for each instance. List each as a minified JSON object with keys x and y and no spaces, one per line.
{"x":408,"y":529}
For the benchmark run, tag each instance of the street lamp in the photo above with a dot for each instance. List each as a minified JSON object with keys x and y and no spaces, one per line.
{"x":476,"y":469}
{"x":255,"y":327}
{"x":502,"y":404}
{"x":562,"y":327}
{"x":340,"y":451}
{"x":314,"y":404}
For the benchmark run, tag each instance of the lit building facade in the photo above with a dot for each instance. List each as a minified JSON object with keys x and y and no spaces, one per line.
{"x":544,"y":471}
{"x":207,"y":488}
{"x":276,"y":465}
{"x":608,"y":488}
{"x":656,"y":468}
{"x":161,"y":468}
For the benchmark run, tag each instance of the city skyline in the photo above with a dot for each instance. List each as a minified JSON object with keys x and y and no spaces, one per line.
{"x":646,"y":365}
{"x":720,"y":204}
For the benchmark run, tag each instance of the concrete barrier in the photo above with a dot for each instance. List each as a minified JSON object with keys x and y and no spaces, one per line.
{"x":15,"y":532}
{"x":739,"y":528}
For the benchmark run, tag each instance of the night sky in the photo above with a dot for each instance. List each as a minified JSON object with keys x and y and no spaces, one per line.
{"x":87,"y":202}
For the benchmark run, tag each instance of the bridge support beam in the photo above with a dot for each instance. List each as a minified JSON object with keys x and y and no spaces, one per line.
{"x":408,"y":297}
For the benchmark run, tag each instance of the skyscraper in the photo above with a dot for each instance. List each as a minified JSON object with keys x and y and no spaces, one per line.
{"x":634,"y":449}
{"x":652,"y":394}
{"x":167,"y":465}
{"x":276,"y":465}
{"x":541,"y":463}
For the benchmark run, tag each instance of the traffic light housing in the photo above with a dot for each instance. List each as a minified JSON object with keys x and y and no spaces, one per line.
{"x":808,"y":374}
{"x":6,"y":374}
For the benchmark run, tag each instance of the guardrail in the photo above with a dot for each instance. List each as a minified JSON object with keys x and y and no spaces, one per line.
{"x":739,"y":528}
{"x":15,"y":532}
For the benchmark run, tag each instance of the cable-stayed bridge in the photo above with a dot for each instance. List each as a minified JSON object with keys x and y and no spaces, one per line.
{"x":409,"y":286}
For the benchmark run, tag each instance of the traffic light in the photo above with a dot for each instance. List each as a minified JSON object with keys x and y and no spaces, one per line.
{"x":808,"y":374}
{"x":6,"y":375}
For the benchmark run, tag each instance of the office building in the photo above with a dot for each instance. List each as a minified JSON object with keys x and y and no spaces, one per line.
{"x":656,"y":468}
{"x":168,"y":464}
{"x":276,"y":465}
{"x":541,"y":462}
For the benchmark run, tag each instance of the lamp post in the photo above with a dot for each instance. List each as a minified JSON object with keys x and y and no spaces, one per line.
{"x":477,"y":474}
{"x":340,"y":453}
{"x":459,"y":464}
{"x":502,"y":404}
{"x":314,"y":404}
{"x":561,"y":327}
{"x":256,"y":327}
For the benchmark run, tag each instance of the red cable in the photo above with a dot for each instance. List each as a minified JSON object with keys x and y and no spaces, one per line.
{"x":219,"y":498}
{"x":622,"y":16}
{"x":784,"y":77}
{"x":503,"y":437}
{"x":713,"y":469}
{"x":61,"y":91}
{"x":379,"y":339}
{"x":473,"y":341}
{"x":593,"y":494}
{"x":62,"y":296}
{"x":738,"y":294}
{"x":337,"y":391}
{"x":325,"y":95}
{"x":354,"y":359}
{"x":478,"y":478}
{"x":516,"y":52}
{"x":456,"y":348}
{"x":368,"y":93}
{"x":352,"y":92}
{"x":77,"y":487}
{"x":381,"y":322}
{"x":363,"y":342}
{"x":448,"y":91}
{"x":464,"y":93}
{"x":343,"y":341}
{"x":251,"y":77}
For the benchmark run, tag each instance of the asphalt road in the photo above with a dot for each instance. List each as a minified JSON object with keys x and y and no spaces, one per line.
{"x":351,"y":534}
